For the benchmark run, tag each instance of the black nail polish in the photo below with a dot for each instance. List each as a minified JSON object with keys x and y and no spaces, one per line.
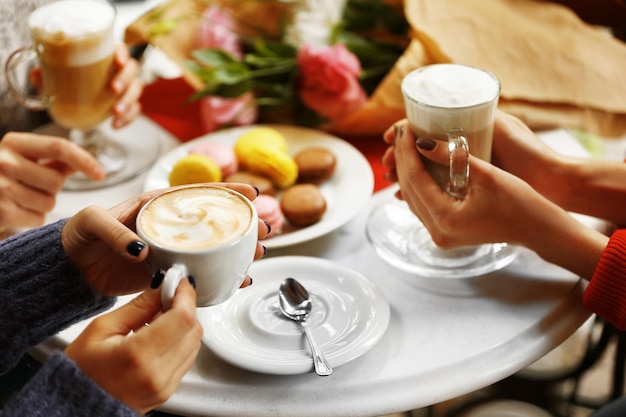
{"x":135,"y":248}
{"x":257,"y":190}
{"x":251,"y":281}
{"x":157,"y":279}
{"x":425,"y":144}
{"x":192,"y":281}
{"x":264,"y":250}
{"x":269,"y":228}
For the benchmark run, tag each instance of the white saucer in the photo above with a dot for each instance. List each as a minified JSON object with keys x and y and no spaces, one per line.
{"x":349,"y":316}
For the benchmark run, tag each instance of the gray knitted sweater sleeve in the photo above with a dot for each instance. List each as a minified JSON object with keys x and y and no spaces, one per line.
{"x":41,"y":293}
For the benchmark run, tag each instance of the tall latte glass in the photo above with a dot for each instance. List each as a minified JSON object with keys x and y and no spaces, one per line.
{"x":203,"y":231}
{"x":73,"y":45}
{"x":455,"y":104}
{"x":74,"y":40}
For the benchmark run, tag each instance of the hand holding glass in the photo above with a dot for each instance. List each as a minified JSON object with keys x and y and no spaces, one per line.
{"x":74,"y":49}
{"x":455,"y":104}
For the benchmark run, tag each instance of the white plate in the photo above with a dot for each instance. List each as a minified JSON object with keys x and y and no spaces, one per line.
{"x":349,"y":316}
{"x":346,"y":193}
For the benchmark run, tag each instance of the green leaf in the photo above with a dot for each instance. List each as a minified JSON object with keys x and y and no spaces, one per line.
{"x":214,"y":57}
{"x":364,"y":15}
{"x":264,"y":61}
{"x":233,"y":90}
{"x":231,"y":74}
{"x":274,"y":49}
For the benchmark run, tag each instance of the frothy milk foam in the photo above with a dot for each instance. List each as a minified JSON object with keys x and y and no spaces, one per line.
{"x":71,"y":20}
{"x":196,"y":218}
{"x":450,"y":86}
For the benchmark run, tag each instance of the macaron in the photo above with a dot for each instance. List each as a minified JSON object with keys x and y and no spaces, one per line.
{"x":193,"y":169}
{"x":222,"y":154}
{"x":268,"y":209}
{"x":315,"y":164}
{"x":264,"y":185}
{"x":303,"y":204}
{"x":260,"y":136}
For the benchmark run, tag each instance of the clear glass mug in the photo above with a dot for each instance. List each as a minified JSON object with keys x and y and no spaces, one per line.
{"x":74,"y":47}
{"x":455,"y":104}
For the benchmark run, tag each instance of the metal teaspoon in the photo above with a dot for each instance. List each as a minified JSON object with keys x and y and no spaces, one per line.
{"x":295,"y":304}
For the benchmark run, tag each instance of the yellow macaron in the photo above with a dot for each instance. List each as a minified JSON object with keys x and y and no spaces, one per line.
{"x":194,"y":168}
{"x":259,"y":136}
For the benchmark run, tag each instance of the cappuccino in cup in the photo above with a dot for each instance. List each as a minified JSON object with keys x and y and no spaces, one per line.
{"x":208,"y":232}
{"x":196,"y":218}
{"x":444,"y":99}
{"x":74,"y":41}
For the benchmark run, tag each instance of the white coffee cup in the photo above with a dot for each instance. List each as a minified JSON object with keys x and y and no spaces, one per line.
{"x":204,"y":231}
{"x":453,"y":103}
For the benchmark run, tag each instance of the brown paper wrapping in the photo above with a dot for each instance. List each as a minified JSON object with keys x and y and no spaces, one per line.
{"x":555,"y":70}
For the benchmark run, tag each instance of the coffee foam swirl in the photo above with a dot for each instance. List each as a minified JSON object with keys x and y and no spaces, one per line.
{"x":196,"y":218}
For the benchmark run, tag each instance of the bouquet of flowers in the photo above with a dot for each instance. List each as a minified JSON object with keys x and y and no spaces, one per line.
{"x":308,"y":62}
{"x":338,"y":64}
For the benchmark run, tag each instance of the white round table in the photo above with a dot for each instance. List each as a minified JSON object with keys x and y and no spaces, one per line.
{"x":436,"y":347}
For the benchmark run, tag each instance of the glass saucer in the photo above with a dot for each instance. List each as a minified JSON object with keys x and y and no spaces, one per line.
{"x":394,"y":232}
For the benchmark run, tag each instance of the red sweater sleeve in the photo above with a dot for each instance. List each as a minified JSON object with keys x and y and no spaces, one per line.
{"x":606,"y":293}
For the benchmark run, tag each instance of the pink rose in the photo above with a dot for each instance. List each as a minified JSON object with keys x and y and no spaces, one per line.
{"x":217,"y":112}
{"x":218,"y":29}
{"x":328,"y":80}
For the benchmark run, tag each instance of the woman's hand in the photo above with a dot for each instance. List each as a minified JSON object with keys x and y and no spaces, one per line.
{"x":498,"y":207}
{"x":136,"y":353}
{"x":32,"y":171}
{"x":104,"y":246}
{"x":488,"y":213}
{"x":127,"y":87}
{"x":516,"y":149}
{"x":519,"y":151}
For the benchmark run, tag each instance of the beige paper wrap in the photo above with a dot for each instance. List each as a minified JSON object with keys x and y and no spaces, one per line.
{"x":555,"y":70}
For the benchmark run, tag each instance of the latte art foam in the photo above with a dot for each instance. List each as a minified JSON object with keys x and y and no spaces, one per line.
{"x":196,"y":218}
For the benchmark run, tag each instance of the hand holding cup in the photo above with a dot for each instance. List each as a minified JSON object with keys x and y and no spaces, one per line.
{"x":111,"y":257}
{"x":205,"y":232}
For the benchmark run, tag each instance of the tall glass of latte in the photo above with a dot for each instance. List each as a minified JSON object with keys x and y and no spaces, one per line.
{"x":73,"y":45}
{"x":455,"y":104}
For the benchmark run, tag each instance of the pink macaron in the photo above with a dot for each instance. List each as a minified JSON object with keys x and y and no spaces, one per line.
{"x":268,"y":209}
{"x":220,"y":153}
